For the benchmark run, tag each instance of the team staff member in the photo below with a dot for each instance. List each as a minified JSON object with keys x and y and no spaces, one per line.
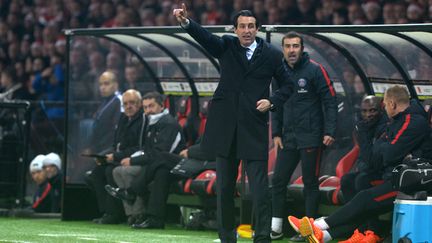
{"x":306,"y":123}
{"x":367,"y":131}
{"x":235,"y":129}
{"x":125,"y":142}
{"x":407,"y":133}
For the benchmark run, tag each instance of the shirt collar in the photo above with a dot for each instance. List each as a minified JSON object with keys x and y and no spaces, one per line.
{"x":253,"y":46}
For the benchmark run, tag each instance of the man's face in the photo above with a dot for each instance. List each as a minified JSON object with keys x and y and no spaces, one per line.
{"x":390,"y":107}
{"x":292,"y":50}
{"x":151,"y":107}
{"x":50,"y":170}
{"x":107,"y":87}
{"x":369,"y":111}
{"x":246,"y":30}
{"x":38,"y":176}
{"x":131,"y":104}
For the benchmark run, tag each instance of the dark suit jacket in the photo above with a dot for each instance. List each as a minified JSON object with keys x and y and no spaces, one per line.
{"x":232,"y":114}
{"x":105,"y":121}
{"x":127,"y":135}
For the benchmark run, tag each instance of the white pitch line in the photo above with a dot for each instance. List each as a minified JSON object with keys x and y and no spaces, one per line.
{"x":15,"y":241}
{"x":66,"y":235}
{"x":87,"y":238}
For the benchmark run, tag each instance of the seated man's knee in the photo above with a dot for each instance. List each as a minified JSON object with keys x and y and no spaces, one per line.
{"x":362,"y":197}
{"x":362,"y":182}
{"x":347,"y":179}
{"x":117,"y":172}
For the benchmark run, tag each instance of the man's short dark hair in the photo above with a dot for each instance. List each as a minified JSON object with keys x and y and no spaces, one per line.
{"x":154,"y":95}
{"x":10,"y":73}
{"x":291,"y":35}
{"x":246,"y":13}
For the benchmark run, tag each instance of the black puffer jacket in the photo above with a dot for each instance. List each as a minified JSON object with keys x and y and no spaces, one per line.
{"x":367,"y":134}
{"x":311,"y":111}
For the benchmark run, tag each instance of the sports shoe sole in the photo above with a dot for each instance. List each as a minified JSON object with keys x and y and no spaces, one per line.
{"x":306,"y":230}
{"x":276,"y":236}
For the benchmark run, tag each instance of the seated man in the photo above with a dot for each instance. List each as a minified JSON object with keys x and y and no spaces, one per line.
{"x":161,"y":137}
{"x":126,"y":141}
{"x":52,"y":168}
{"x":368,"y":130}
{"x":406,"y":134}
{"x":160,"y":179}
{"x":43,"y":197}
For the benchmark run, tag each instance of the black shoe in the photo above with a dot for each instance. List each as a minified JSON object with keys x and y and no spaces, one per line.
{"x":120,"y":194}
{"x":297,"y":238}
{"x":131,"y":220}
{"x":150,"y":223}
{"x":276,"y":236}
{"x":135,"y":219}
{"x":109,"y":219}
{"x":97,"y":220}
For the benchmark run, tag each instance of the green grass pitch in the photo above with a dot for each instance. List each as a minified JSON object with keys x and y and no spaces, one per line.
{"x":56,"y":231}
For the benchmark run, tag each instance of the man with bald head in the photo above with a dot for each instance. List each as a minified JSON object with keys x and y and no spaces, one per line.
{"x":107,"y":114}
{"x":367,"y":131}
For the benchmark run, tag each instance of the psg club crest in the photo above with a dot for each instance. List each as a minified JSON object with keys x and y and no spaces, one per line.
{"x":302,"y":82}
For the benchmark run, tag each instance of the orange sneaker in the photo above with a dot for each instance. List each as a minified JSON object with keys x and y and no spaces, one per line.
{"x":357,"y":237}
{"x":371,"y":237}
{"x":294,"y":222}
{"x":309,"y":231}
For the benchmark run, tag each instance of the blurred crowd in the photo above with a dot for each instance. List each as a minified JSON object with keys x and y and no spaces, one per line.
{"x":32,"y":46}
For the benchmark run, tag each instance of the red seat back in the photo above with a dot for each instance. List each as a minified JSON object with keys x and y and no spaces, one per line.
{"x":346,"y":163}
{"x":203,"y":113}
{"x":183,"y":108}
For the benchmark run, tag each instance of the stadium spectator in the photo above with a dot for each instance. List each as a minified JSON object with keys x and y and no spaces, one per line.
{"x":355,"y":12}
{"x":11,"y":88}
{"x":48,"y":85}
{"x":307,"y":12}
{"x":372,"y":12}
{"x":415,"y":13}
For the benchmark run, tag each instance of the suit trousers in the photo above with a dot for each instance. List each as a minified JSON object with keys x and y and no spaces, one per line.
{"x":102,"y":175}
{"x":159,"y":191}
{"x":287,"y":161}
{"x":123,"y":176}
{"x":226,"y":172}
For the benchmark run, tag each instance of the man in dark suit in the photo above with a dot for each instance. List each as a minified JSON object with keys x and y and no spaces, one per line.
{"x":235,"y":129}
